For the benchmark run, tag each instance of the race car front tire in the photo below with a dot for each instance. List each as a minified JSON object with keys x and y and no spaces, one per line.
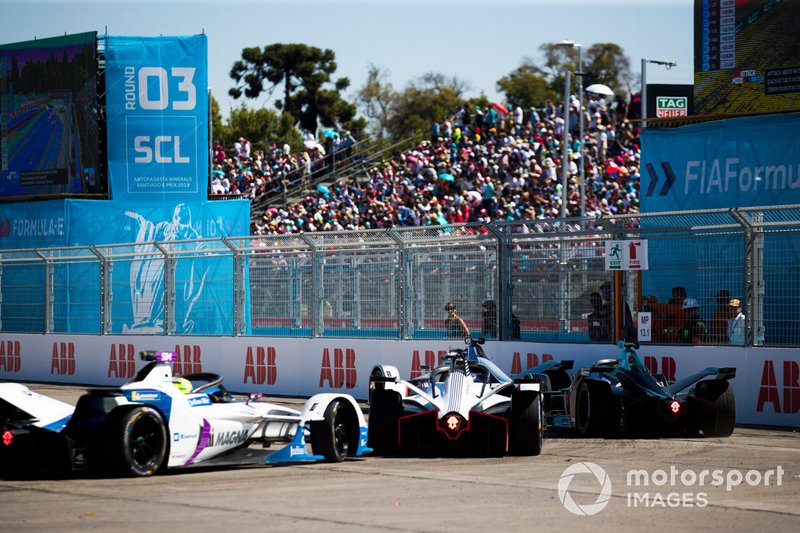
{"x":137,"y":442}
{"x":525,"y":425}
{"x":719,"y":421}
{"x":385,"y":408}
{"x":337,"y":434}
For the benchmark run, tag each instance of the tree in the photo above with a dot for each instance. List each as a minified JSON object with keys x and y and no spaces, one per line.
{"x":303,"y":71}
{"x":376,"y":98}
{"x":262,"y":127}
{"x":604,"y":63}
{"x":527,"y":86}
{"x":218,"y":129}
{"x":607,"y":63}
{"x":430,"y":97}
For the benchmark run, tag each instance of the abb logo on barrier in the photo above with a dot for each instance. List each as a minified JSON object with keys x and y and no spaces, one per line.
{"x":668,"y":367}
{"x":342,"y":374}
{"x":188,"y":359}
{"x":532,"y":360}
{"x":122,"y":361}
{"x":769,"y":392}
{"x":63,"y":360}
{"x":430,"y":357}
{"x":261,"y":368}
{"x":10,"y":356}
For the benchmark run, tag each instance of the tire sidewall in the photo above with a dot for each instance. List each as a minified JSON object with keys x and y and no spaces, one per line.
{"x":126,"y":425}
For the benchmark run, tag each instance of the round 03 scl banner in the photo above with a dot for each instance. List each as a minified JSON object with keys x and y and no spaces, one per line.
{"x":157,"y":110}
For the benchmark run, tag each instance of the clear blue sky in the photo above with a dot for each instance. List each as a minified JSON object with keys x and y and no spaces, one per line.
{"x":479,"y":42}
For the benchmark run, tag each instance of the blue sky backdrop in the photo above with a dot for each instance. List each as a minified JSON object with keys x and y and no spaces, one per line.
{"x":479,"y":42}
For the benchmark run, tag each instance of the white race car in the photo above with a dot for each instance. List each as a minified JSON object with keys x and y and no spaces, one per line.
{"x":465,"y":406}
{"x":158,"y":421}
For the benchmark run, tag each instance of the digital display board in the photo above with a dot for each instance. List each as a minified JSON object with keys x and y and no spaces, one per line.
{"x":747,"y":56}
{"x":49,"y":117}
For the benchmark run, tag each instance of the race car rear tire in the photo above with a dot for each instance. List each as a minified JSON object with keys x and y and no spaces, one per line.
{"x":525,"y":425}
{"x":385,"y":409}
{"x":336,"y":435}
{"x":595,"y":410}
{"x":720,"y":421}
{"x":137,"y":442}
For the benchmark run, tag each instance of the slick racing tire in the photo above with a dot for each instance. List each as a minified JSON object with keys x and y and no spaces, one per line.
{"x":525,"y":427}
{"x":595,"y":412}
{"x":336,"y":435}
{"x":718,"y":422}
{"x":384,"y":414}
{"x":137,"y":442}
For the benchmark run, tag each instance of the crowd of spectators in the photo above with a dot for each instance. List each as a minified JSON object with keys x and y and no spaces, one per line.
{"x":259,"y":174}
{"x":479,"y":165}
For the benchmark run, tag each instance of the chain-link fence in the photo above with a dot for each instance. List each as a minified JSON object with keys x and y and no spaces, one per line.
{"x":543,"y":280}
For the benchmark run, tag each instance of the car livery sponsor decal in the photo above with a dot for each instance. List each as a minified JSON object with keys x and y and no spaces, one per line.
{"x":200,"y":400}
{"x":145,"y":396}
{"x":183,"y":436}
{"x":155,"y":398}
{"x":296,"y":450}
{"x":226,"y":438}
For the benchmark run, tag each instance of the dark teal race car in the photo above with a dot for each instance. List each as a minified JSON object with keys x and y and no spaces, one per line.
{"x":622,"y":397}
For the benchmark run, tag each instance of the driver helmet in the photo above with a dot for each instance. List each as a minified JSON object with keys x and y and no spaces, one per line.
{"x":182,"y":384}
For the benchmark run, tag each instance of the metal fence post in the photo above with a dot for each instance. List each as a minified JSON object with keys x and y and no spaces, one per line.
{"x":317,"y":293}
{"x":402,"y":316}
{"x":748,"y":267}
{"x":504,"y":286}
{"x":48,"y":324}
{"x":104,"y":290}
{"x":169,"y":289}
{"x":238,"y":288}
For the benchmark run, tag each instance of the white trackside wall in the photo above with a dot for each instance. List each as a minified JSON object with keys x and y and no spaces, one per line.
{"x":767,"y":383}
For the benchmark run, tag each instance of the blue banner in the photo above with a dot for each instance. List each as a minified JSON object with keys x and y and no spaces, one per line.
{"x":203,"y":277}
{"x":742,"y":162}
{"x":157,"y":109}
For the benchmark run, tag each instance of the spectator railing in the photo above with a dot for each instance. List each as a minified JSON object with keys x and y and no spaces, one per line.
{"x":299,"y":182}
{"x":531,"y":280}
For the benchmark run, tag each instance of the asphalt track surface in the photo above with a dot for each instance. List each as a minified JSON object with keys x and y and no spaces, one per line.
{"x":409,"y":494}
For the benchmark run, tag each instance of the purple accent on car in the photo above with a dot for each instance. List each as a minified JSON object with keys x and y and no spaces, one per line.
{"x":205,"y":435}
{"x":165,"y":357}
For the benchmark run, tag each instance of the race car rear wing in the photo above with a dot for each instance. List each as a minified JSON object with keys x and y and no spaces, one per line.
{"x":720,"y":373}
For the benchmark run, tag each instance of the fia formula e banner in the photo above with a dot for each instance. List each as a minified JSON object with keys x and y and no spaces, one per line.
{"x":742,"y":162}
{"x":157,"y":113}
{"x":201,"y":275}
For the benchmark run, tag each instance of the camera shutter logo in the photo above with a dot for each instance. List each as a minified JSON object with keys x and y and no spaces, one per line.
{"x":591,"y":508}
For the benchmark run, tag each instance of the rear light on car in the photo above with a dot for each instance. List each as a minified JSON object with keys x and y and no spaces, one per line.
{"x":8,"y":437}
{"x":675,"y":407}
{"x":452,"y":424}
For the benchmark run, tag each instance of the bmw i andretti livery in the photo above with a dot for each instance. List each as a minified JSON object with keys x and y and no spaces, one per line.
{"x":158,"y":421}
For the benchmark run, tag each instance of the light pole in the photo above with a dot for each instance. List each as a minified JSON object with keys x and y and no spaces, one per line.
{"x":573,"y":44}
{"x":668,"y":64}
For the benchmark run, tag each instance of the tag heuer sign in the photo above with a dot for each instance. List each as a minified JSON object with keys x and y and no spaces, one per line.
{"x":672,"y":106}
